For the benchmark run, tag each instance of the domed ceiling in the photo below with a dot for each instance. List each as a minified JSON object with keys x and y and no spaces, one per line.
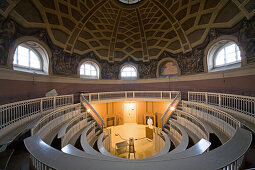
{"x":114,"y":30}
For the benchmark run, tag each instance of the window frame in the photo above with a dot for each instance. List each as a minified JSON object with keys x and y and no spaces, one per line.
{"x":29,"y":68}
{"x":129,"y":3}
{"x":92,"y":63}
{"x":131,"y":77}
{"x":223,"y":47}
{"x":214,"y":46}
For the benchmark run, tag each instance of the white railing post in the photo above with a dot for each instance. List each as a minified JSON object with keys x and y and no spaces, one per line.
{"x":41,"y":105}
{"x":206,"y":98}
{"x":170,"y":95}
{"x":219,"y":100}
{"x":188,"y":96}
{"x":98,"y":96}
{"x":161,"y":94}
{"x":54,"y":102}
{"x":89,"y":97}
{"x":125,"y":95}
{"x":133,"y":94}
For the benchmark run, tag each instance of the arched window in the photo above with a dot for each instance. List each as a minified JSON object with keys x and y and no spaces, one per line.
{"x":227,"y":55}
{"x":89,"y":70}
{"x":223,"y":55}
{"x":30,"y":56}
{"x":25,"y":57}
{"x":128,"y":72}
{"x":130,"y":1}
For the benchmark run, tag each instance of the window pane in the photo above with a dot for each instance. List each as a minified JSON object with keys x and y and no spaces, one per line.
{"x":92,"y":68}
{"x":238,"y":55}
{"x":15,"y":57}
{"x":122,"y":74}
{"x":128,"y":71}
{"x":231,"y":57}
{"x":23,"y":54}
{"x":87,"y":66}
{"x":230,"y":49}
{"x":87,"y":72}
{"x":133,"y":74}
{"x":125,"y":74}
{"x":82,"y":69}
{"x":93,"y":73}
{"x":219,"y":60}
{"x":34,"y":61}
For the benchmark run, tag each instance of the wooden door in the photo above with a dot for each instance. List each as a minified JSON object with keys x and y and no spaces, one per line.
{"x":129,"y":112}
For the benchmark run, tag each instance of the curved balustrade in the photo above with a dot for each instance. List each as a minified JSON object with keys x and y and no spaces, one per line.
{"x":87,"y":135}
{"x":130,"y":95}
{"x":73,"y":110}
{"x":227,"y":156}
{"x":180,"y":134}
{"x":162,"y":143}
{"x":104,"y":144}
{"x":225,"y":122}
{"x":241,"y":104}
{"x":68,"y":125}
{"x":71,"y":150}
{"x":192,"y":123}
{"x":200,"y":147}
{"x":14,"y":112}
{"x":72,"y":131}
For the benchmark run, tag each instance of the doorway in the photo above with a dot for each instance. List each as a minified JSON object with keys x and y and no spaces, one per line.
{"x":129,"y":112}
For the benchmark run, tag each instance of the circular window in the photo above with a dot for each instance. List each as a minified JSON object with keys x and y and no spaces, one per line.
{"x":129,"y":1}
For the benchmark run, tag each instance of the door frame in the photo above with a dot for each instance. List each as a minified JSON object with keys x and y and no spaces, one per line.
{"x":135,"y":110}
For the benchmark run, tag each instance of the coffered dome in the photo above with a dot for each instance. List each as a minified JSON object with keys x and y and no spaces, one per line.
{"x":114,"y":30}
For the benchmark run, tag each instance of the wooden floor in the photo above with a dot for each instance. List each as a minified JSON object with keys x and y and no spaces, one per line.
{"x":143,"y":147}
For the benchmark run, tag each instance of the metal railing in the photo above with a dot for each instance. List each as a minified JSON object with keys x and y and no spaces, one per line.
{"x":238,"y":103}
{"x":200,"y":111}
{"x":53,"y":115}
{"x":92,"y":97}
{"x":172,"y":106}
{"x":13,"y":112}
{"x":99,"y":120}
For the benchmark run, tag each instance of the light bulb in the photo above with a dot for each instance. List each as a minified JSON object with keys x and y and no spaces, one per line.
{"x":172,"y":108}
